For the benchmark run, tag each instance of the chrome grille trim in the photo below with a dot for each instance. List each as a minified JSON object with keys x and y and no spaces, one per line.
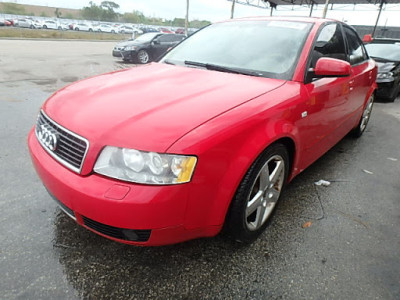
{"x":71,"y":148}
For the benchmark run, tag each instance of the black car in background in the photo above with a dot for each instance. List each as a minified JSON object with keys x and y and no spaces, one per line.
{"x":386,"y":53}
{"x":148,"y":47}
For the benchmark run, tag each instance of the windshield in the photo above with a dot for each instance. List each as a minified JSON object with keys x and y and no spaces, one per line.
{"x":385,"y":51}
{"x":266,"y":48}
{"x":147,"y":37}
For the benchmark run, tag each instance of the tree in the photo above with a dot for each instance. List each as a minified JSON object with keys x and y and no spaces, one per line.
{"x":108,"y":13}
{"x":92,"y":12}
{"x":58,"y":13}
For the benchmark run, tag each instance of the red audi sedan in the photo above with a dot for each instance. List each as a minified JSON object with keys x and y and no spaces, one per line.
{"x":208,"y":137}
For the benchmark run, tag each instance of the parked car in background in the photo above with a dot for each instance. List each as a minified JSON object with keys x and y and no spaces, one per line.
{"x":82,"y":27}
{"x":49,"y":24}
{"x":149,"y":47}
{"x":165,"y":30}
{"x":208,"y":137}
{"x":25,"y":23}
{"x":4,"y":22}
{"x":147,"y":29}
{"x":129,"y":29}
{"x":105,"y":28}
{"x":63,"y":26}
{"x":386,"y":53}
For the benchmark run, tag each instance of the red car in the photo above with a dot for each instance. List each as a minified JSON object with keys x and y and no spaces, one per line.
{"x":209,"y":136}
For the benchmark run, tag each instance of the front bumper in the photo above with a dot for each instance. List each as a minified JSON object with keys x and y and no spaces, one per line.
{"x":124,"y":212}
{"x":385,"y":89}
{"x":116,"y":53}
{"x":128,"y":55}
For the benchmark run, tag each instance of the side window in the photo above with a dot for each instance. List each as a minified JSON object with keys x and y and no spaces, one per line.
{"x":356,"y":49}
{"x":330,"y":43}
{"x":164,"y":39}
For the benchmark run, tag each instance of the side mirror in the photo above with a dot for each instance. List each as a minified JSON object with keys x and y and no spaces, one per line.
{"x":331,"y":67}
{"x":155,"y":42}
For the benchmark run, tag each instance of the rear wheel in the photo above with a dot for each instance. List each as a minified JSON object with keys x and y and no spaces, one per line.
{"x":258,"y":193}
{"x":362,"y":125}
{"x":44,"y":27}
{"x":143,"y":57}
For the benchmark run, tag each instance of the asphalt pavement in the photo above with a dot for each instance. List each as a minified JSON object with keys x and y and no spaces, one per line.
{"x":336,"y":242}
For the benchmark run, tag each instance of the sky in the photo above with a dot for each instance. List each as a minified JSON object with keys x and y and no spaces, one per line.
{"x":217,"y":10}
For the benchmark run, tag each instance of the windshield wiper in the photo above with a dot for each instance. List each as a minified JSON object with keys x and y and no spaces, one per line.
{"x":222,"y":68}
{"x":166,"y":61}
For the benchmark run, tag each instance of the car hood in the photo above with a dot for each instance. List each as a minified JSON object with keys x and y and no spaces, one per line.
{"x":150,"y":107}
{"x":386,"y":66}
{"x":123,"y":44}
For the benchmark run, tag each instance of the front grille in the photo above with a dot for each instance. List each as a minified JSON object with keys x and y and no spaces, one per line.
{"x":118,"y":233}
{"x":65,"y":146}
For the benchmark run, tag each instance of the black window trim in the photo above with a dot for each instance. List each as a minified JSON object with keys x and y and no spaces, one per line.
{"x":307,"y":74}
{"x":365,"y":53}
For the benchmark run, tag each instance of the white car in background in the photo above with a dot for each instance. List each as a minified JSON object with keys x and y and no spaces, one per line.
{"x":49,"y":24}
{"x":83,"y":27}
{"x":129,"y":29}
{"x":105,"y":28}
{"x":25,"y":23}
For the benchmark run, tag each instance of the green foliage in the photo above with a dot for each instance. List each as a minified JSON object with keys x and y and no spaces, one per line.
{"x":68,"y":16}
{"x":12,"y":8}
{"x":103,"y":12}
{"x":136,"y":17}
{"x":43,"y":14}
{"x":199,"y":24}
{"x":178,"y":22}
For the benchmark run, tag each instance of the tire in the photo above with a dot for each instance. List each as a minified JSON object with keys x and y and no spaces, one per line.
{"x":90,"y":29}
{"x":31,"y":27}
{"x":257,"y":195}
{"x":44,"y":27}
{"x":76,"y":29}
{"x":112,"y":31}
{"x":59,"y":28}
{"x":143,"y":57}
{"x":366,"y":115}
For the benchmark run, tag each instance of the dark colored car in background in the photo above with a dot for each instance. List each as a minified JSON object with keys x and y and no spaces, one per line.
{"x":386,"y":53}
{"x":149,"y":47}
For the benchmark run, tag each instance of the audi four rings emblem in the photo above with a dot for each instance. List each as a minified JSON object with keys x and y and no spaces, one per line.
{"x":47,"y":137}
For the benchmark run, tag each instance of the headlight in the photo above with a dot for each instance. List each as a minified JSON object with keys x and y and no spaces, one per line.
{"x":384,"y":75}
{"x":128,"y":48}
{"x":145,"y":167}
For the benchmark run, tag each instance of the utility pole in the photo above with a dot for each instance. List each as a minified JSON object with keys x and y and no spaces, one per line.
{"x":325,"y":9}
{"x":233,"y":8}
{"x":187,"y":18}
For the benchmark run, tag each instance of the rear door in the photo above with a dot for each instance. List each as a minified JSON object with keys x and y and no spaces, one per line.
{"x":362,"y":68}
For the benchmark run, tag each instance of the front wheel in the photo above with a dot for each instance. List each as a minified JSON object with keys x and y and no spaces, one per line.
{"x":362,"y":125}
{"x":258,"y":193}
{"x":143,"y":57}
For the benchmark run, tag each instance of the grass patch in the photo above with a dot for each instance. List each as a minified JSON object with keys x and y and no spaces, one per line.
{"x":7,"y":32}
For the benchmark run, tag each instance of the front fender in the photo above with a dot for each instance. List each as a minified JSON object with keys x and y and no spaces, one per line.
{"x":226,"y":148}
